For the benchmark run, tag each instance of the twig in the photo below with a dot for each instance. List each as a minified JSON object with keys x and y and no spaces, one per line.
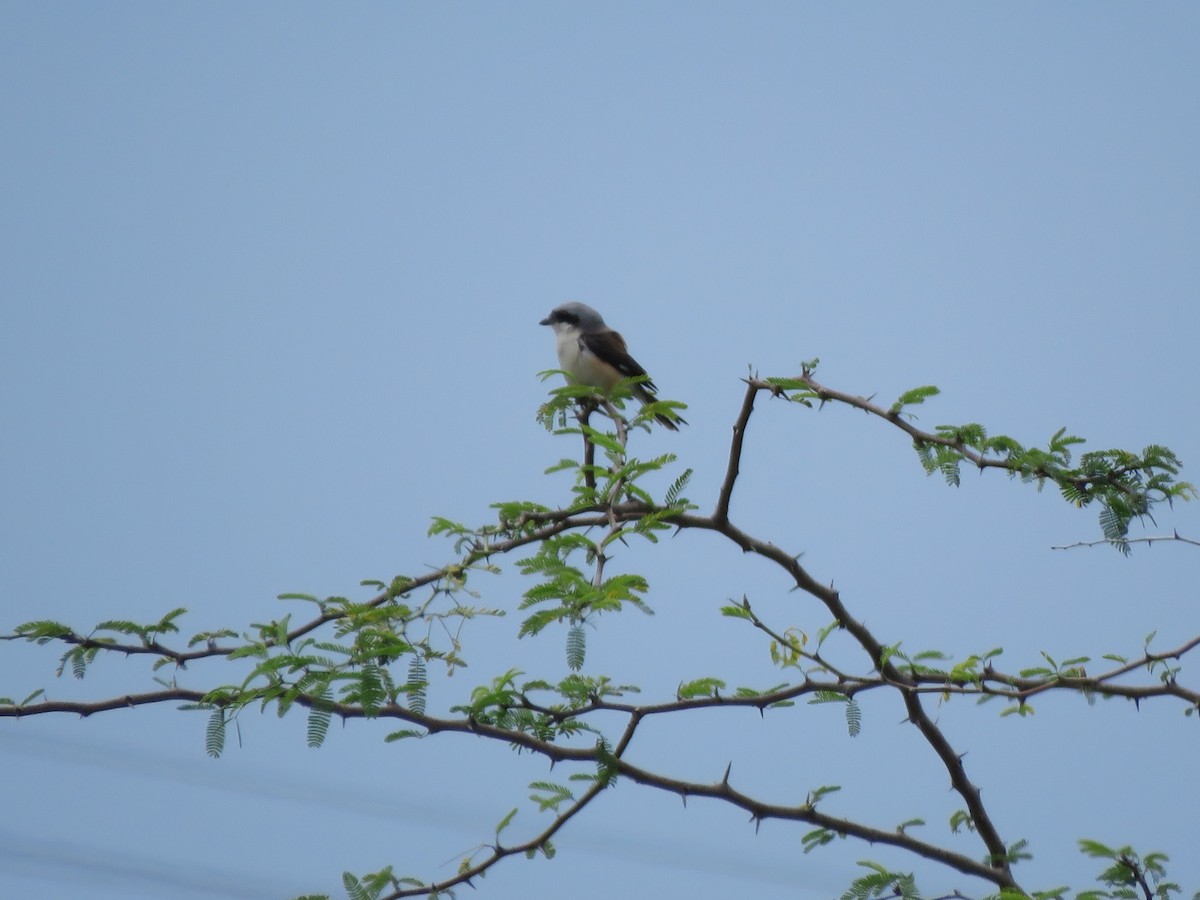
{"x":587,"y":407}
{"x":721,"y":513}
{"x":1150,"y":539}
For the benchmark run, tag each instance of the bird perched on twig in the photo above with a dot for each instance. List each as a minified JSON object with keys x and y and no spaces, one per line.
{"x":596,"y":355}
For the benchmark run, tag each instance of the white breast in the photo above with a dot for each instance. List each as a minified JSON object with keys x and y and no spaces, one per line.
{"x":583,"y":365}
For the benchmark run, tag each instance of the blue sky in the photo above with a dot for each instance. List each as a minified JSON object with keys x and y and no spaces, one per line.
{"x":272,"y":276}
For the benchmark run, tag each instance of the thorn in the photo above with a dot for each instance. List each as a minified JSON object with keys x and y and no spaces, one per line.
{"x":725,"y":779}
{"x":683,"y":797}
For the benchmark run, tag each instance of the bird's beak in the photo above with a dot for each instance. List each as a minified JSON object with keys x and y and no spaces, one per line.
{"x":545,"y":321}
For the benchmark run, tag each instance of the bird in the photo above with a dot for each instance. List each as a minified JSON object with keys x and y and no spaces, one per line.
{"x":593,"y":354}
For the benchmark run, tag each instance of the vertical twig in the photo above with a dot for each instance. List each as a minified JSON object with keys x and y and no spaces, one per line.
{"x":614,"y":493}
{"x":586,"y":408}
{"x":721,"y":513}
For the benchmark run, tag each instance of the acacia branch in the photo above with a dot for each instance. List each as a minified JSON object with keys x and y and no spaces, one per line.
{"x":589,"y":449}
{"x":85,"y":709}
{"x":535,"y":526}
{"x":951,"y":760}
{"x":1147,"y":539}
{"x":555,"y":522}
{"x":721,"y":513}
{"x":484,"y":549}
{"x":556,"y":752}
{"x":895,"y":417}
{"x":1137,"y":876}
{"x":806,"y":812}
{"x":499,"y":852}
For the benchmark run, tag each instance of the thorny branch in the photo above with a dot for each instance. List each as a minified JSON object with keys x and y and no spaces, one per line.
{"x":895,"y":416}
{"x":759,"y":810}
{"x":536,"y":526}
{"x":1148,"y":539}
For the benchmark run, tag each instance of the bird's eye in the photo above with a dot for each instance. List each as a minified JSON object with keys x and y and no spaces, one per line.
{"x":569,"y":318}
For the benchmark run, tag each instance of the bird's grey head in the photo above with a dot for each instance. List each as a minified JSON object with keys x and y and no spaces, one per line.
{"x":574,"y":315}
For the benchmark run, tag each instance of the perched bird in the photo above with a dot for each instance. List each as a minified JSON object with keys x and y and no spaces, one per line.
{"x":596,"y":355}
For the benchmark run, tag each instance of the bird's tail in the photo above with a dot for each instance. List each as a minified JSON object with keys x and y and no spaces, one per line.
{"x":672,"y":421}
{"x":667,"y":421}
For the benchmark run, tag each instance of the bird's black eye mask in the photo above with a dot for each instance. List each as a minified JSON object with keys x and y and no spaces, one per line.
{"x":568,"y":318}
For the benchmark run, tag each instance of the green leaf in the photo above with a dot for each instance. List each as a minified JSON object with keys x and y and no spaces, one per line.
{"x":370,"y":693}
{"x":674,"y":493}
{"x":42,"y":631}
{"x":307,"y":597}
{"x":818,"y":837}
{"x":441,"y":525}
{"x":404,"y":733}
{"x":827,"y":631}
{"x":1022,"y":709}
{"x":417,"y":684}
{"x":121,"y":626}
{"x":607,"y":765}
{"x":214,"y":733}
{"x":915,"y":396}
{"x":548,"y":795}
{"x":319,"y":715}
{"x":503,"y":823}
{"x":539,"y":620}
{"x":1096,"y":849}
{"x":948,"y":466}
{"x":737,"y":612}
{"x":355,"y":890}
{"x":853,"y":717}
{"x":576,"y":647}
{"x":701,"y":687}
{"x":880,"y":882}
{"x":827,"y":697}
{"x":786,"y":384}
{"x":817,"y":794}
{"x":1015,"y":852}
{"x":603,"y":441}
{"x":562,"y":465}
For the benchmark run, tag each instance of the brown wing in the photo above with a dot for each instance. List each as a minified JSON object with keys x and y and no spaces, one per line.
{"x":609,"y":347}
